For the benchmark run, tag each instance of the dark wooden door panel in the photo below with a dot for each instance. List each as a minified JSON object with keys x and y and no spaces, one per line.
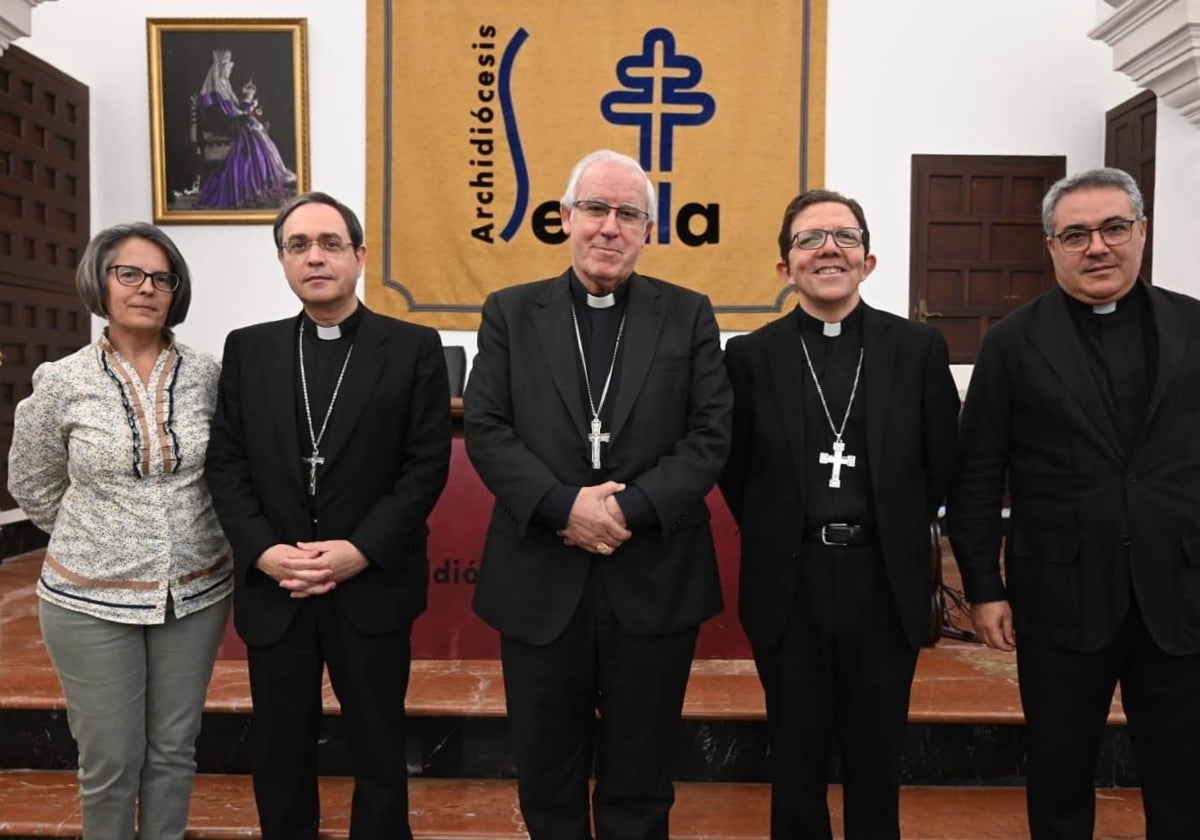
{"x":978,"y":250}
{"x":1130,"y":139}
{"x":44,"y":226}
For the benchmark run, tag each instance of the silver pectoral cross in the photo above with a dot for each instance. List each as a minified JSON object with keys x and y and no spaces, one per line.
{"x":595,"y":438}
{"x":839,"y":459}
{"x":315,"y":459}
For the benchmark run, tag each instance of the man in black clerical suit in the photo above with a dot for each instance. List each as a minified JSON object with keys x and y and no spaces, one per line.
{"x":1087,"y":399}
{"x":329,"y":446}
{"x":597,"y":413}
{"x":843,"y":447}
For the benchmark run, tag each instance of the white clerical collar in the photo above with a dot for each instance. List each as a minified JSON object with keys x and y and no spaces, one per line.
{"x":831,"y":330}
{"x":329,"y":333}
{"x":1105,"y":308}
{"x":601,"y":301}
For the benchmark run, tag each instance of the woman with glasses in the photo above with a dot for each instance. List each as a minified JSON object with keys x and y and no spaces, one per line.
{"x":107,"y":457}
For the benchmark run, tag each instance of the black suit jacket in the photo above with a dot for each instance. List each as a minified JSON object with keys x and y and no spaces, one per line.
{"x":911,"y":416}
{"x":387,"y":452}
{"x":1091,"y":524}
{"x":526,"y":429}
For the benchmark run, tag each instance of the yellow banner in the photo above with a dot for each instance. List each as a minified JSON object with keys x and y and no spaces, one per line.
{"x":478,"y":109}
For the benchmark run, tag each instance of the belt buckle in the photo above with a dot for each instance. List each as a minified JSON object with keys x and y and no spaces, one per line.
{"x":836,"y":527}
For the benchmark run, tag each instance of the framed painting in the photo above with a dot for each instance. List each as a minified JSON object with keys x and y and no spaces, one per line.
{"x":228,"y":118}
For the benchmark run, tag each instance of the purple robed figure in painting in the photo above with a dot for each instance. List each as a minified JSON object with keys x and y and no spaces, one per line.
{"x":253,"y":173}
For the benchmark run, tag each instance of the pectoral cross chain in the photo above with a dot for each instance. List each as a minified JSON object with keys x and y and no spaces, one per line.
{"x":315,"y":459}
{"x":315,"y":438}
{"x":595,"y":438}
{"x":839,"y":459}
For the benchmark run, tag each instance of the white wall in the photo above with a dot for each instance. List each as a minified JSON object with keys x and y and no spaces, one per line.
{"x":934,"y":77}
{"x":1176,"y":202}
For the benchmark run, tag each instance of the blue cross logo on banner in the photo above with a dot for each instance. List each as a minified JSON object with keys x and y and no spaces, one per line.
{"x":659,"y":85}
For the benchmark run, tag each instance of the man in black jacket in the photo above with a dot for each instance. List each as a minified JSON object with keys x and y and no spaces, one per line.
{"x":843,"y":447}
{"x":1087,"y":400}
{"x":597,"y":413}
{"x":329,"y":447}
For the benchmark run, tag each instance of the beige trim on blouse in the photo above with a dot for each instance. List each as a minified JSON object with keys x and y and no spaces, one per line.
{"x":82,"y":580}
{"x":214,"y":568}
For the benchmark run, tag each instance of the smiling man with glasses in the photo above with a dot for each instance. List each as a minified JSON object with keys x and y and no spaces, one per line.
{"x":843,"y":446}
{"x":1084,"y":404}
{"x":597,"y":413}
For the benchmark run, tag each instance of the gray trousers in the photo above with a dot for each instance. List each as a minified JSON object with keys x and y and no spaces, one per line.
{"x":135,"y":694}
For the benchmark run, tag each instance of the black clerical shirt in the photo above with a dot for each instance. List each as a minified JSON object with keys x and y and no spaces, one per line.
{"x":835,"y":360}
{"x":1122,"y":350}
{"x":598,"y":331}
{"x":323,"y":360}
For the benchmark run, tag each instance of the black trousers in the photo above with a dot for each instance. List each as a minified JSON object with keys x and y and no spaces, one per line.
{"x":1066,"y":697}
{"x":597,"y":690}
{"x":842,"y":670}
{"x":369,"y":674}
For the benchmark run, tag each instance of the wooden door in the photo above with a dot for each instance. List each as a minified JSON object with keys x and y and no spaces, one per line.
{"x":977,"y":246}
{"x":44,"y":226}
{"x":1130,"y":132}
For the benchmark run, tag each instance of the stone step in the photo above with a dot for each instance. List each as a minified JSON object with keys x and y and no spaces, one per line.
{"x":965,"y":715}
{"x":44,"y":804}
{"x":956,"y":682}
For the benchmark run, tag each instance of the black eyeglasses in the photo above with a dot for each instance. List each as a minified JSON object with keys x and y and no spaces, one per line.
{"x":1112,"y":232}
{"x":811,"y":240}
{"x":132,"y":276}
{"x":299,"y":246}
{"x":598,"y":211}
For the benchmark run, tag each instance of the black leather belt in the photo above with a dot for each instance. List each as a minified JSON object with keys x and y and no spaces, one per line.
{"x":840,"y":533}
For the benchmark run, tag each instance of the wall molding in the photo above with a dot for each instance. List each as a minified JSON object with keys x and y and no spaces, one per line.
{"x":16,"y":20}
{"x":1157,"y":44}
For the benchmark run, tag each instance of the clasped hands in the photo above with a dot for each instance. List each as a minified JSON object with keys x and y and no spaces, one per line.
{"x":312,"y":568}
{"x":596,"y":522}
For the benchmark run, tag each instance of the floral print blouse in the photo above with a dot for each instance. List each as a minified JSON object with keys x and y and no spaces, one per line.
{"x":112,"y":469}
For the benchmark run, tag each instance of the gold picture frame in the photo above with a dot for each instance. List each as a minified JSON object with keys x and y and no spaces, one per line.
{"x":228,"y":118}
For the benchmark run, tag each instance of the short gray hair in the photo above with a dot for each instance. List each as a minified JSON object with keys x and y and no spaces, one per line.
{"x":91,"y":277}
{"x":1105,"y":176}
{"x":609,"y":156}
